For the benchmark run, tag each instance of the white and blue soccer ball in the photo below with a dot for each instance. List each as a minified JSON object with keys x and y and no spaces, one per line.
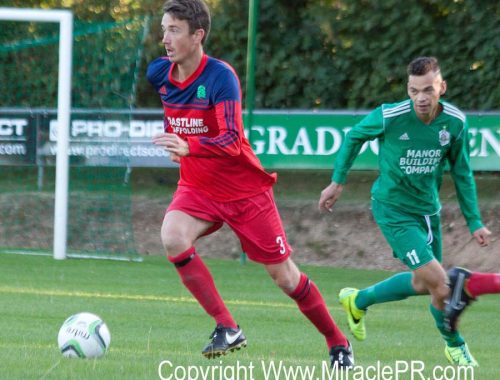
{"x":83,"y":335}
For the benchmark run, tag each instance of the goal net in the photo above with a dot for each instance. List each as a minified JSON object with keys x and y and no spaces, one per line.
{"x":106,"y":58}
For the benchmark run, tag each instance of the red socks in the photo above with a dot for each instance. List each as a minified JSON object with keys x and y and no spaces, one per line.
{"x":312,"y":305}
{"x":197,"y":278}
{"x":483,"y":283}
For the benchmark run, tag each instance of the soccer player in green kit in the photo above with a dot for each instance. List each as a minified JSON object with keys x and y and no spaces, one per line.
{"x":416,"y":138}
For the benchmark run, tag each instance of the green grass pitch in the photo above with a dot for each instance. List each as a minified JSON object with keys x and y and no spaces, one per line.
{"x":152,"y":319}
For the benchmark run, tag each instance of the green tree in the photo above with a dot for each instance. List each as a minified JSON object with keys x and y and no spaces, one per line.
{"x":371,"y":52}
{"x":331,"y":54}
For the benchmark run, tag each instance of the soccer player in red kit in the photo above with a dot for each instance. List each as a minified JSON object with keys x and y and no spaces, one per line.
{"x":221,"y":181}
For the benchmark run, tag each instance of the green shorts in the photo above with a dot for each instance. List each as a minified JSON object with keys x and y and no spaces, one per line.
{"x":414,"y":239}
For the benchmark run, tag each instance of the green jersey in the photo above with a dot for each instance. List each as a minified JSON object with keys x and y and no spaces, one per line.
{"x":412,"y":156}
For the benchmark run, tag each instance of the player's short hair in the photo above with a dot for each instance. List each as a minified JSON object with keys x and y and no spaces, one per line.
{"x":195,"y":12}
{"x":422,"y":65}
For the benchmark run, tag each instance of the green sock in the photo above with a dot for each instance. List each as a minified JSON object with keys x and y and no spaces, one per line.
{"x":395,"y":288}
{"x":453,"y":339}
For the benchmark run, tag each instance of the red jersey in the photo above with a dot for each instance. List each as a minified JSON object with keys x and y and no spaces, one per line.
{"x":205,"y":110}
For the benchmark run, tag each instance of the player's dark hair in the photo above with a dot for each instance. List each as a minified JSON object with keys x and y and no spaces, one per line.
{"x":422,"y":65}
{"x":195,"y":12}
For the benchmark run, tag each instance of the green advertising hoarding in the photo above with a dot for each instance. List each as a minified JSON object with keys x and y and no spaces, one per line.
{"x":311,"y":140}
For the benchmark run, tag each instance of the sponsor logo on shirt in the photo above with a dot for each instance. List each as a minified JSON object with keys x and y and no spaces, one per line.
{"x":444,"y":136}
{"x":420,"y":161}
{"x":187,"y":125}
{"x":201,"y":93}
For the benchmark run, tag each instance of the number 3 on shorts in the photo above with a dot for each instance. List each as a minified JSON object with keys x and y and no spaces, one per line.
{"x":412,"y":256}
{"x":281,"y":242}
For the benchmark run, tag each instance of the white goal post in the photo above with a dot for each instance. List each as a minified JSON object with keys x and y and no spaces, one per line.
{"x":65,"y":20}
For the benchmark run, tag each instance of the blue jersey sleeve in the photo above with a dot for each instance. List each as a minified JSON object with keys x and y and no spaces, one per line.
{"x":157,"y":72}
{"x":227,"y":87}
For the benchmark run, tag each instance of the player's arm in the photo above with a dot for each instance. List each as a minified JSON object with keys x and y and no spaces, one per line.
{"x":227,"y":100}
{"x":157,"y":70}
{"x":227,"y":143}
{"x":465,"y":186}
{"x":370,"y":128}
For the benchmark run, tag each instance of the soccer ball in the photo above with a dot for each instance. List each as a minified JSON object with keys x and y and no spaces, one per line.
{"x":83,"y":335}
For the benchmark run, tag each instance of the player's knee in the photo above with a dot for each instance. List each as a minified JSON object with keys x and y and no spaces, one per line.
{"x":174,"y":243}
{"x":440,"y":292}
{"x":285,"y":283}
{"x":443,"y":291}
{"x":285,"y":278}
{"x":419,"y":286}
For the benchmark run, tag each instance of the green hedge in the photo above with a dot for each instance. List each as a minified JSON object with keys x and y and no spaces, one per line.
{"x":332,"y":54}
{"x":353,"y":54}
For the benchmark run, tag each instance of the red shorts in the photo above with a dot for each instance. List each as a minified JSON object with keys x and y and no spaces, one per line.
{"x":255,"y":220}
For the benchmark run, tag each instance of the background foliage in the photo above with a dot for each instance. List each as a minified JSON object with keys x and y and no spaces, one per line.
{"x":332,"y":54}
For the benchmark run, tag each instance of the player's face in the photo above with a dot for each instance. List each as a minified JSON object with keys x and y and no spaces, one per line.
{"x":179,"y":43}
{"x":425,"y":91}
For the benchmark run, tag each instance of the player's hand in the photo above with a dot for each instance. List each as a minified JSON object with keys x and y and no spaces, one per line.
{"x":482,"y":236}
{"x":175,"y":158}
{"x":329,"y":196}
{"x":172,"y":143}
